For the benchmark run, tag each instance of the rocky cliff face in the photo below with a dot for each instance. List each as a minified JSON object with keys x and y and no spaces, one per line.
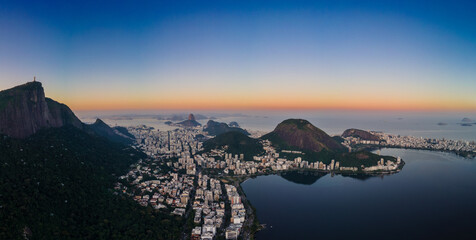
{"x":24,"y":110}
{"x":62,"y":114}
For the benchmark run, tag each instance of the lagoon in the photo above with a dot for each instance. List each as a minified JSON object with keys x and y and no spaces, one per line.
{"x":434,"y":196}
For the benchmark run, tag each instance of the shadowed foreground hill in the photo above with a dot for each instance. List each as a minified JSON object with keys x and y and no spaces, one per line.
{"x":57,"y":184}
{"x":118,"y":134}
{"x":235,"y":143}
{"x":216,"y":128}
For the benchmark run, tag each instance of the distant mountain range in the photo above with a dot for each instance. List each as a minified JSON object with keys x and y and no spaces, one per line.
{"x":180,"y":117}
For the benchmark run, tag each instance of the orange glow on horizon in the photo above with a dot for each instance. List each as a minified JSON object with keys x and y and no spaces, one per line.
{"x":273,"y":104}
{"x":259,"y":98}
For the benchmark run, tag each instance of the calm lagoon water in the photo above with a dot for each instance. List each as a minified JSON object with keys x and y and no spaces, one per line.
{"x":433,"y":197}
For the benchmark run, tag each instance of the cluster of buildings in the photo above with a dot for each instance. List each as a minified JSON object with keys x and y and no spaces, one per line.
{"x":166,"y":143}
{"x":427,"y":143}
{"x":209,"y":208}
{"x":212,"y":206}
{"x":390,"y":140}
{"x":148,"y":186}
{"x":238,"y":213}
{"x":170,"y":180}
{"x":384,"y":166}
{"x":270,"y":161}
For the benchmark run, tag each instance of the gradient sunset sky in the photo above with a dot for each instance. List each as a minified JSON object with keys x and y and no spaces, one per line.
{"x":386,"y":55}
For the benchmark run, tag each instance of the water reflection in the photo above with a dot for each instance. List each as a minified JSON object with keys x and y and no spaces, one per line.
{"x":307,"y":177}
{"x":302,"y":177}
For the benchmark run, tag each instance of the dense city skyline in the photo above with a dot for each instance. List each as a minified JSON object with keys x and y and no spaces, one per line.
{"x":383,"y":55}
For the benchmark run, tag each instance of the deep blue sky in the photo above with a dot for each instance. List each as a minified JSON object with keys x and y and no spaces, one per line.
{"x":243,"y":54}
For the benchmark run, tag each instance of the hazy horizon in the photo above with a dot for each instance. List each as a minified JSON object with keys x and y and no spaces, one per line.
{"x":333,"y":122}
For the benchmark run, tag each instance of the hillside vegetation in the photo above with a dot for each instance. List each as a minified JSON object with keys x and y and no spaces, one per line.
{"x":58,"y":184}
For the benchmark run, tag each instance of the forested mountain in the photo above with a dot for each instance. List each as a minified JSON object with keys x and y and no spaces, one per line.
{"x":57,"y":175}
{"x":58,"y":184}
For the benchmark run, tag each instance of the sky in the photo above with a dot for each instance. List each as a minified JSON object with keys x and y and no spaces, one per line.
{"x":215,"y":55}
